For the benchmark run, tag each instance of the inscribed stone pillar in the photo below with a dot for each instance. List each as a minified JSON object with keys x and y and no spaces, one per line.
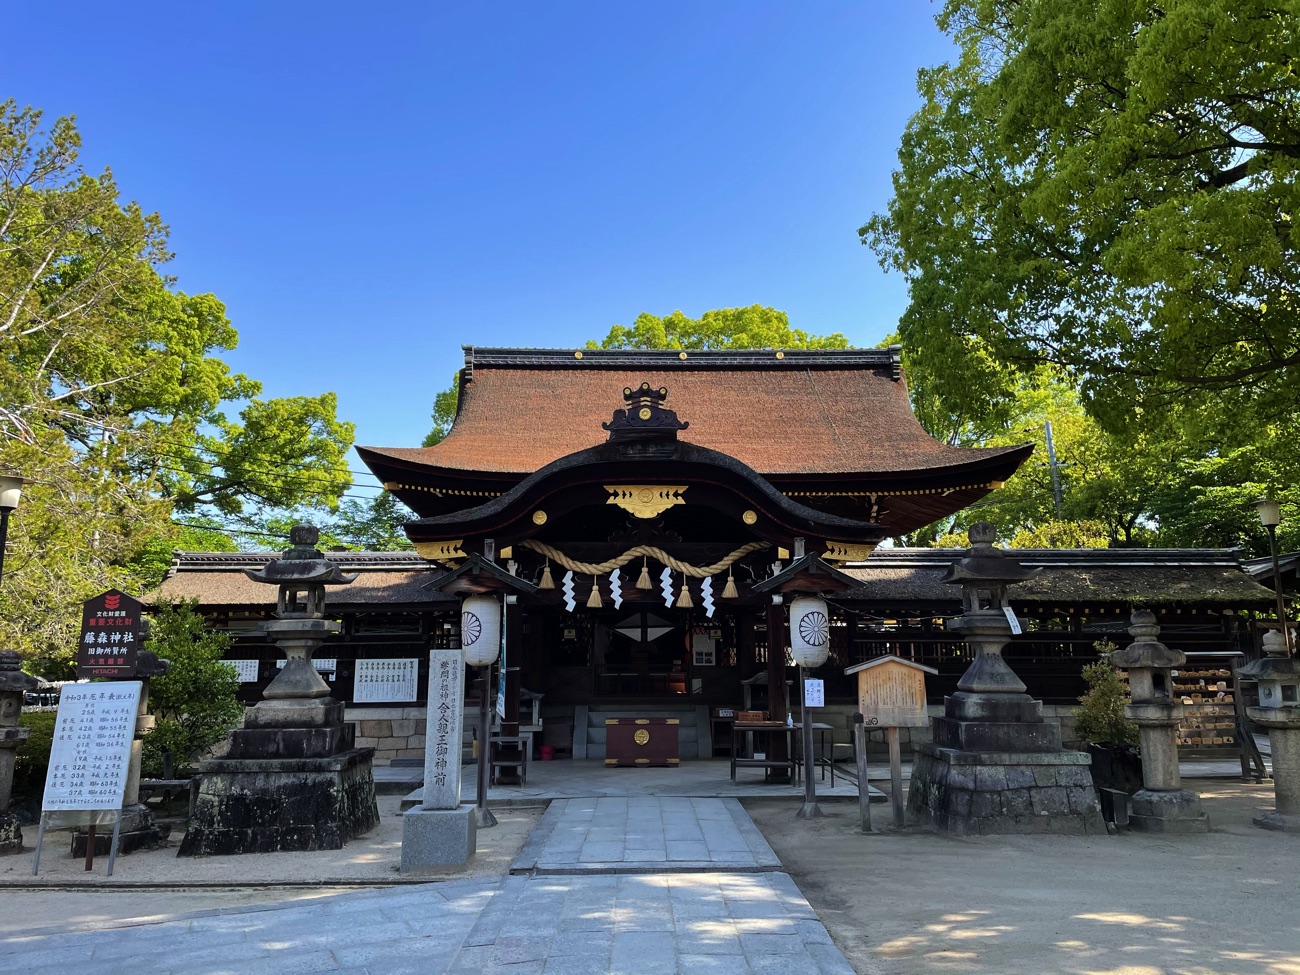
{"x":444,"y":730}
{"x":440,"y":832}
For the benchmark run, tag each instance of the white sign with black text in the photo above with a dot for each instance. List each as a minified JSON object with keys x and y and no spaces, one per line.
{"x":814,"y":693}
{"x":91,"y":752}
{"x":386,"y":680}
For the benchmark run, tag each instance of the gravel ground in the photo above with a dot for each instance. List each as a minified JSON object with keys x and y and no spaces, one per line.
{"x":911,"y":902}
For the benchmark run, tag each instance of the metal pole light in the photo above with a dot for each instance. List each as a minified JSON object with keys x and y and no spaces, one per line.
{"x":11,"y":489}
{"x":1270,"y":516}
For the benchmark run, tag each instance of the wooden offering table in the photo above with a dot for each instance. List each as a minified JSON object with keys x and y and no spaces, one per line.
{"x":641,"y":742}
{"x":765,"y":732}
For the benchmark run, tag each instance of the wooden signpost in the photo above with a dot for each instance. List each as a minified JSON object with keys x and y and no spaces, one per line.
{"x":891,"y":695}
{"x":90,"y":758}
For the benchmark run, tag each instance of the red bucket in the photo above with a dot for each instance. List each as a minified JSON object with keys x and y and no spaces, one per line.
{"x":546,"y":751}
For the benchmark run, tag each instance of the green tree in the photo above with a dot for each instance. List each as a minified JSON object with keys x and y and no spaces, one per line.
{"x":373,"y":525}
{"x":754,"y":327}
{"x":114,"y":401}
{"x":1108,"y":187}
{"x":444,"y":412}
{"x":195,"y":702}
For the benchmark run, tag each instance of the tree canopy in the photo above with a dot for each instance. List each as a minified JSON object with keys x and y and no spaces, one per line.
{"x":753,"y":327}
{"x":115,"y":405}
{"x":1110,"y":188}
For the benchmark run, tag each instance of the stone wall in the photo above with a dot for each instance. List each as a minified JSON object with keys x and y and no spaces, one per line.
{"x":396,"y":732}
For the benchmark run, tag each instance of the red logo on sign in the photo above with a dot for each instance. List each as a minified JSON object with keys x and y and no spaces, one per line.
{"x":112,"y":602}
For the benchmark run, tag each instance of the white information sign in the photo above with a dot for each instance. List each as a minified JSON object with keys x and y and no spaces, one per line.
{"x":325,"y":665}
{"x":814,"y":693}
{"x":386,"y":679}
{"x":245,"y":670}
{"x":704,"y":652}
{"x":1011,"y":618}
{"x":92,"y":746}
{"x":442,"y":744}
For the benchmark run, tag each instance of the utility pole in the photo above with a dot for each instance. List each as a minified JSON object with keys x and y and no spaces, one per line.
{"x":1055,"y":468}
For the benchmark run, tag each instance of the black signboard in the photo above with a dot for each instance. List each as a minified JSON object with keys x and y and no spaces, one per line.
{"x":112,"y":630}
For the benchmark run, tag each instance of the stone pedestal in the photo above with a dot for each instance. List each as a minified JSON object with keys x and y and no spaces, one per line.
{"x":275,"y":805}
{"x":139,"y":832}
{"x":1177,"y":811}
{"x":434,"y":839}
{"x":1283,"y":726}
{"x":974,"y":793}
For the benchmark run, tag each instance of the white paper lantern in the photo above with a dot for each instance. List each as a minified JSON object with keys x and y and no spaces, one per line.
{"x":810,"y":631}
{"x":480,"y":630}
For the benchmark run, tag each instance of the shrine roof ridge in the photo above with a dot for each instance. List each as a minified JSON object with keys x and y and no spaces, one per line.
{"x":1161,"y":557}
{"x":887,"y":358}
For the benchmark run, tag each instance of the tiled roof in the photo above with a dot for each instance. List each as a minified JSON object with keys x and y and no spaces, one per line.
{"x":383,"y":578}
{"x":833,"y":412}
{"x":1134,"y":576}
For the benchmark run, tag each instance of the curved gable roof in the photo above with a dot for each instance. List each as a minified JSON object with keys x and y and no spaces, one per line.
{"x":780,"y":413}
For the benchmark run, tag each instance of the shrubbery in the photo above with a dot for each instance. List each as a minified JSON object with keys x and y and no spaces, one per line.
{"x":1101,"y":710}
{"x":33,"y":755}
{"x":195,"y":703}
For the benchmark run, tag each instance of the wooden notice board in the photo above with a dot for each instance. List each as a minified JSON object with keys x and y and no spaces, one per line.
{"x":891,"y":692}
{"x":641,"y":742}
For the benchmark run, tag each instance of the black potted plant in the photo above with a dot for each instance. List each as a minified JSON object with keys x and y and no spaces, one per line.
{"x":1108,"y":736}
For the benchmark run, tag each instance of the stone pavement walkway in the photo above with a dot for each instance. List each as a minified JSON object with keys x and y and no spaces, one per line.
{"x":714,"y":905}
{"x":644,"y":834}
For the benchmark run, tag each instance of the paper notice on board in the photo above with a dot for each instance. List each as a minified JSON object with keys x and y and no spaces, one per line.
{"x":814,"y":694}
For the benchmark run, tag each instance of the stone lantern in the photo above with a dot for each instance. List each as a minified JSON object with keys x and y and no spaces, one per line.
{"x":292,"y":778}
{"x":13,"y":685}
{"x":994,"y":764}
{"x":1162,"y":805}
{"x":991,"y":710}
{"x":1278,"y":676}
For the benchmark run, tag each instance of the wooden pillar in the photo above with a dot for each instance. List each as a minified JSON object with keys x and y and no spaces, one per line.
{"x":745,"y":643}
{"x":513,"y":624}
{"x":777,"y":702}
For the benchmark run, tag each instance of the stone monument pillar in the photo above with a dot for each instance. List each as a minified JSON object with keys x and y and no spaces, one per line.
{"x":995,"y":765}
{"x":292,"y":779}
{"x":1279,"y":711}
{"x":1162,"y":805}
{"x":139,"y":829}
{"x":440,"y":832}
{"x":13,"y":685}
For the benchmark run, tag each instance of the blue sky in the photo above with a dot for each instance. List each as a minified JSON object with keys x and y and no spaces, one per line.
{"x":370,"y":187}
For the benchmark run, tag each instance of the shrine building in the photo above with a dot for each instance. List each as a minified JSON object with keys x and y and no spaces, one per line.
{"x":645,"y":517}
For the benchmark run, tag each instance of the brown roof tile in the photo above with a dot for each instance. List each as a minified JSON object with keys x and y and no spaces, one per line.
{"x":807,"y":413}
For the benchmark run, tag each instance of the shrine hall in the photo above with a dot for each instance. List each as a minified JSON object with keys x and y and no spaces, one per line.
{"x":644,"y":519}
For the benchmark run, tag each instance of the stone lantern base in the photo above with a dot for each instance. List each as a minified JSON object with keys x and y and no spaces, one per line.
{"x":287,"y":804}
{"x":972,"y":793}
